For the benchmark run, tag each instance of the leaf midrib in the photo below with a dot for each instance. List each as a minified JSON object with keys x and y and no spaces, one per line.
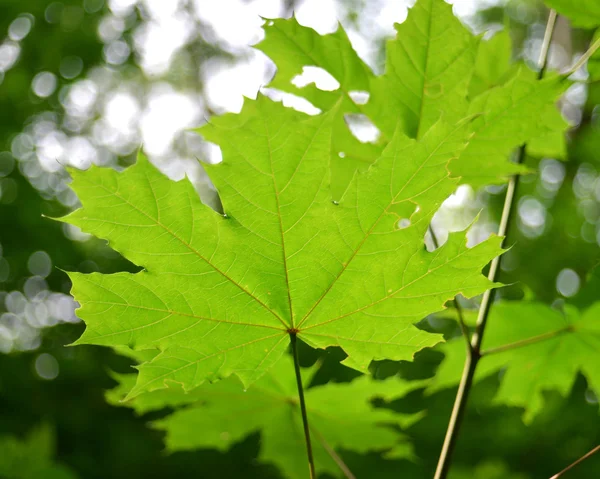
{"x":279,"y":220}
{"x":277,"y":194}
{"x":425,"y":68}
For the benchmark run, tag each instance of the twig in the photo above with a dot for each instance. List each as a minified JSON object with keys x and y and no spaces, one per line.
{"x":581,"y":459}
{"x":334,"y":455}
{"x":584,"y":58}
{"x":472,"y":359}
{"x":543,"y":58}
{"x":309,"y":452}
{"x":463,"y":327}
{"x":525,"y":342}
{"x":461,"y":320}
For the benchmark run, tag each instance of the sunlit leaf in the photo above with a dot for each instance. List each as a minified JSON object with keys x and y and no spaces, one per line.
{"x":434,"y":68}
{"x":293,"y":47}
{"x":492,"y":64}
{"x":582,"y":13}
{"x":506,"y":117}
{"x":220,"y":294}
{"x":427,"y":73}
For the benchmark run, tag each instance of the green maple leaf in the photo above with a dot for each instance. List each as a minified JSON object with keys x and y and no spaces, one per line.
{"x":226,"y":413}
{"x":434,"y":67}
{"x":492,"y":64}
{"x":567,"y":343}
{"x":427,"y":72}
{"x":508,"y":116}
{"x":221,"y":294}
{"x":493,"y":68}
{"x":292,"y":47}
{"x":428,"y":68}
{"x":582,"y":13}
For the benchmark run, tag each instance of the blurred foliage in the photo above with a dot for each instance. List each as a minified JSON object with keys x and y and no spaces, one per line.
{"x":66,"y":421}
{"x":32,"y":457}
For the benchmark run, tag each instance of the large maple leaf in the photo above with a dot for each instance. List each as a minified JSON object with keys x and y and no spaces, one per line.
{"x":221,"y":293}
{"x":429,"y":70}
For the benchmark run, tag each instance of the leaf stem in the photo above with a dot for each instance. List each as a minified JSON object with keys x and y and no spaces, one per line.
{"x":581,"y":459}
{"x":309,"y":451}
{"x":463,"y":327}
{"x":525,"y":342}
{"x":543,"y":58}
{"x":334,"y":455}
{"x":472,"y":359}
{"x":584,"y":58}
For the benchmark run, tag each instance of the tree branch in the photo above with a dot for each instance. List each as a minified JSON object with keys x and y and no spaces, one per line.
{"x":581,"y":459}
{"x":334,"y":455}
{"x":472,"y":359}
{"x":584,"y":58}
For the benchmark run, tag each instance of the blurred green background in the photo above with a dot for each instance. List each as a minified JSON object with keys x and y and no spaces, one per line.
{"x":88,"y":81}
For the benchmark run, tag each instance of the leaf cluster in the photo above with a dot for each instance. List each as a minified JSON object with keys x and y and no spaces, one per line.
{"x":322,"y":238}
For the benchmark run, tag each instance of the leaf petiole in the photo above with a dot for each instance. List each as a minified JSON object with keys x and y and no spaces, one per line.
{"x":337,"y":459}
{"x":526,"y":342}
{"x":309,"y":451}
{"x":581,"y":459}
{"x":584,"y":58}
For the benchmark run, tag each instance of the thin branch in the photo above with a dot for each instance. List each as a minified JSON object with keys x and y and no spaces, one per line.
{"x":334,"y":455}
{"x":584,"y":58}
{"x":525,"y":342}
{"x":461,"y":320}
{"x":543,"y":58}
{"x":581,"y":459}
{"x":463,"y":326}
{"x":458,"y":411}
{"x":309,"y":452}
{"x":472,"y":359}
